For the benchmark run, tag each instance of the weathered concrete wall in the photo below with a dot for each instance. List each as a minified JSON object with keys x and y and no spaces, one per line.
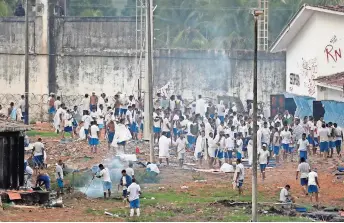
{"x":12,"y":51}
{"x":99,"y":54}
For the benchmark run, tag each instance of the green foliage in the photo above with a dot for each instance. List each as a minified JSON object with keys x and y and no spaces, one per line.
{"x":91,"y":13}
{"x":4,"y":8}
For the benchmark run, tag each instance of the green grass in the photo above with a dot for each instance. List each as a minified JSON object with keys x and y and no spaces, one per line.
{"x":34,"y":133}
{"x":170,"y":205}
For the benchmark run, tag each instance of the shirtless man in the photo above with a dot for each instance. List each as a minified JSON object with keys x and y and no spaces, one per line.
{"x":111,"y":132}
{"x":93,"y":101}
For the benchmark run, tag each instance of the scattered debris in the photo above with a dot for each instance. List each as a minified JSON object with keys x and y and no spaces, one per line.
{"x":200,"y":181}
{"x":110,"y":214}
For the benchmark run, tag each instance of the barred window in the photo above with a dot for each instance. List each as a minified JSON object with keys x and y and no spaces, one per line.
{"x":294,"y":79}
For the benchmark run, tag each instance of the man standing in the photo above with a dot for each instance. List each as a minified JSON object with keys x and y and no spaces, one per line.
{"x":181,"y":149}
{"x":22,"y":106}
{"x":313,"y":185}
{"x":85,"y":104}
{"x":285,"y":139}
{"x":38,"y":154}
{"x":302,"y":146}
{"x":57,"y":103}
{"x":304,"y":170}
{"x":164,"y":147}
{"x":157,"y":121}
{"x":266,"y":134}
{"x":200,"y":106}
{"x":339,"y":137}
{"x":59,"y":177}
{"x":93,"y":100}
{"x":125,"y":182}
{"x":263,"y":157}
{"x":94,"y":137}
{"x":276,"y":142}
{"x":324,"y":140}
{"x":104,"y":172}
{"x":239,"y":176}
{"x":134,"y":192}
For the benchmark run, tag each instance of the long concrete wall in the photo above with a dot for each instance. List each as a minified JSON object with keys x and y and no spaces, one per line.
{"x":73,"y":56}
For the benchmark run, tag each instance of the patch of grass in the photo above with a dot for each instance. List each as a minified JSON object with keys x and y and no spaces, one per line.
{"x":94,"y":212}
{"x":278,"y":218}
{"x":33,"y":133}
{"x":142,"y":176}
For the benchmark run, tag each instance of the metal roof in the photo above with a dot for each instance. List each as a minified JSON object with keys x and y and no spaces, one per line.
{"x":336,"y":80}
{"x":11,"y":126}
{"x":298,"y":21}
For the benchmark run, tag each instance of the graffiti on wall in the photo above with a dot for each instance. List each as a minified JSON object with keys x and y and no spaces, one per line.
{"x":332,"y":53}
{"x":308,"y":72}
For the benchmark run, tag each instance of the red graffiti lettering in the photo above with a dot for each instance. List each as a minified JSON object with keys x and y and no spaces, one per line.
{"x":329,"y":54}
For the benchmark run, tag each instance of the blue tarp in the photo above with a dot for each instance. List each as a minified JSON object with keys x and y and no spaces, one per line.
{"x":304,"y":105}
{"x":334,"y":110}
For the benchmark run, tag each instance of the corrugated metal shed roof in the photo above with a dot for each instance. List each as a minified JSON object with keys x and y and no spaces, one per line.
{"x":333,"y":79}
{"x":337,"y":8}
{"x":298,"y":21}
{"x":11,"y":126}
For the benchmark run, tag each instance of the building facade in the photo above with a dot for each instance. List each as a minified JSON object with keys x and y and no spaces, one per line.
{"x":314,"y":44}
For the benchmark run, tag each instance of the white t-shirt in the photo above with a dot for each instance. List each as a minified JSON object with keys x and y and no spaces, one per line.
{"x":220,"y":110}
{"x":303,"y":168}
{"x":323,"y":134}
{"x":28,"y":170}
{"x":158,"y":123}
{"x":276,"y":140}
{"x":175,"y":120}
{"x":303,"y":144}
{"x":134,"y":191}
{"x":105,"y":174}
{"x":266,"y":135}
{"x":243,"y":130}
{"x":229,"y":143}
{"x":184,"y":124}
{"x":241,"y":170}
{"x":181,"y":145}
{"x":286,"y":137}
{"x":59,"y":170}
{"x":38,"y":149}
{"x":87,"y":121}
{"x":130,"y":114}
{"x":85,"y":103}
{"x":239,"y":144}
{"x":94,"y":131}
{"x":338,"y":133}
{"x":57,"y":104}
{"x":130,"y":172}
{"x":284,"y":195}
{"x":153,"y":167}
{"x":164,"y":125}
{"x":263,"y":156}
{"x":311,"y":178}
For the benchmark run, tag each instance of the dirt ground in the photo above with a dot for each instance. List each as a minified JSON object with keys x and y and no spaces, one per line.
{"x":79,"y":208}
